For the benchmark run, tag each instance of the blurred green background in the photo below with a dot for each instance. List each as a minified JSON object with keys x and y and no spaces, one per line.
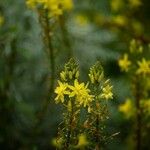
{"x":24,"y":69}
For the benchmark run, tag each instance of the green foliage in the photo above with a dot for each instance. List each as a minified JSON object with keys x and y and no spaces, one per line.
{"x":35,"y":45}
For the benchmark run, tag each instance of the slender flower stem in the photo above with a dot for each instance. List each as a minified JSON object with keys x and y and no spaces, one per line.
{"x":69,"y":130}
{"x":138,"y":95}
{"x":97,"y":130}
{"x":65,"y":37}
{"x":97,"y":124}
{"x":51,"y":53}
{"x":44,"y":21}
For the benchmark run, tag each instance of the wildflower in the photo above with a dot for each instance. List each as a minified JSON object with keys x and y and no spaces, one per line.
{"x":120,"y":20}
{"x":127,"y":108}
{"x":96,"y":73}
{"x":81,"y":92}
{"x":81,"y":20}
{"x":61,"y":90}
{"x":144,"y":67}
{"x":57,"y":142}
{"x":54,"y":7}
{"x":67,"y":4}
{"x":124,"y":63}
{"x":31,"y":3}
{"x":135,"y":47}
{"x":107,"y":91}
{"x":82,"y":141}
{"x":70,"y":72}
{"x":116,"y":5}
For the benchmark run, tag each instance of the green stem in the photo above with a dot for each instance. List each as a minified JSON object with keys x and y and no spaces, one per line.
{"x":65,"y":36}
{"x":51,"y":53}
{"x":138,"y":95}
{"x":69,"y":127}
{"x":44,"y":20}
{"x":97,"y":140}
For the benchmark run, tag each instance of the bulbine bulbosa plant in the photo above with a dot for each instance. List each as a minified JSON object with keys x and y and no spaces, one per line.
{"x":136,"y":64}
{"x":49,"y":13}
{"x":84,"y":107}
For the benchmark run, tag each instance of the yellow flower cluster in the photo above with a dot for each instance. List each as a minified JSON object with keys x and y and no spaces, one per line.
{"x":127,"y":108}
{"x":135,"y":47}
{"x":81,"y":20}
{"x":124,"y":63}
{"x":107,"y":90}
{"x":57,"y":142}
{"x":70,"y":89}
{"x":79,"y":91}
{"x":54,"y":7}
{"x":140,"y":67}
{"x":96,"y":73}
{"x":144,"y":67}
{"x":96,"y":76}
{"x":61,"y":91}
{"x":120,"y":20}
{"x":116,"y":5}
{"x":70,"y":72}
{"x":82,"y":141}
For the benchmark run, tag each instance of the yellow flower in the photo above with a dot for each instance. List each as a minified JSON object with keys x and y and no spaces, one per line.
{"x":124,"y":63}
{"x":61,"y":90}
{"x":82,"y":141}
{"x":107,"y":91}
{"x":127,"y":108}
{"x":55,"y":7}
{"x":116,"y":4}
{"x":135,"y":47}
{"x":81,"y":20}
{"x":57,"y":142}
{"x":144,"y":67}
{"x":81,"y":92}
{"x":67,"y":4}
{"x":120,"y":20}
{"x":31,"y":3}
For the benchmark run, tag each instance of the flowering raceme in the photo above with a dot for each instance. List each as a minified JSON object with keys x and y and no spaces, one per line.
{"x":127,"y":108}
{"x":82,"y":141}
{"x":144,"y":67}
{"x":124,"y":63}
{"x":54,"y":7}
{"x":61,"y":91}
{"x":79,"y":91}
{"x":75,"y":96}
{"x":107,"y":91}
